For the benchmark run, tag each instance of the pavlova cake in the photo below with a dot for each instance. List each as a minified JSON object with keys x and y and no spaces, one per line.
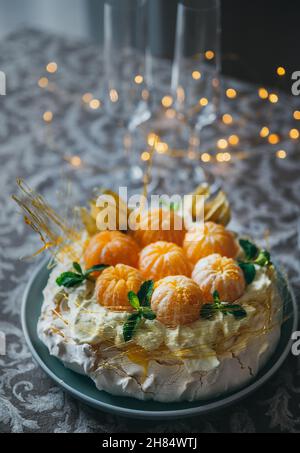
{"x":162,"y":314}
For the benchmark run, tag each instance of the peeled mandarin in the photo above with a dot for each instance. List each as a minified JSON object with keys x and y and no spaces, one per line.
{"x":218,"y":273}
{"x":161,"y":259}
{"x":159,"y":225}
{"x":177,"y":301}
{"x":213,"y":239}
{"x":114,"y":284}
{"x":111,"y":247}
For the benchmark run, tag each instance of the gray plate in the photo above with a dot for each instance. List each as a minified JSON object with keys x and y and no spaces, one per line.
{"x":83,"y":388}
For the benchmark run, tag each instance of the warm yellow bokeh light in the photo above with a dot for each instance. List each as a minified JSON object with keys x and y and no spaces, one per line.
{"x":75,"y":161}
{"x":203,"y":102}
{"x":196,"y":75}
{"x":222,"y":143}
{"x":114,"y":96}
{"x":48,"y":116}
{"x":43,"y":82}
{"x":87,"y":97}
{"x":94,"y":104}
{"x":296,"y":114}
{"x":167,"y":101}
{"x":51,"y":67}
{"x":209,"y":54}
{"x":264,"y":132}
{"x":205,"y":157}
{"x":220,"y":157}
{"x":227,"y":119}
{"x":162,"y":147}
{"x":152,"y":139}
{"x":294,"y":134}
{"x":273,"y":98}
{"x":226,"y":157}
{"x":231,"y":93}
{"x":139,"y":79}
{"x":263,"y":93}
{"x":281,"y":154}
{"x":280,"y":71}
{"x":145,"y":156}
{"x":273,"y":139}
{"x":233,"y":139}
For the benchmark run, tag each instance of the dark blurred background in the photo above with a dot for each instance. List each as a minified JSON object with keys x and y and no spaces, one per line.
{"x":258,"y":35}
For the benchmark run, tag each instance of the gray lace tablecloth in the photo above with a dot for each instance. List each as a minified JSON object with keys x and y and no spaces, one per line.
{"x":263,"y":189}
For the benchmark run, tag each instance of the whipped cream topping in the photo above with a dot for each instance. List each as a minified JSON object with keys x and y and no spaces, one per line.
{"x":192,"y":361}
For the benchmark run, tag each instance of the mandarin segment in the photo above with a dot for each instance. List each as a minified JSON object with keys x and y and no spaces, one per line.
{"x":213,"y":239}
{"x":161,"y":259}
{"x":218,"y":273}
{"x":114,"y":284}
{"x":111,"y":247}
{"x":176,"y":301}
{"x":159,"y":225}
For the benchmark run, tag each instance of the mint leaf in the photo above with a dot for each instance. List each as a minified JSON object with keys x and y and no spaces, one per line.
{"x":141,"y":303}
{"x":77,"y":268}
{"x":254,"y":256}
{"x":216,"y":297}
{"x":237,"y":311}
{"x":148,"y":313}
{"x":208,"y":311}
{"x":133,"y":300}
{"x":98,"y":267}
{"x":250,"y":249}
{"x":263,"y":259}
{"x":145,"y":293}
{"x":69,"y":279}
{"x":249,"y":271}
{"x":130,"y":326}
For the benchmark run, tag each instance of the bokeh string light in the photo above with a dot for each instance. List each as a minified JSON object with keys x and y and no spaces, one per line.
{"x":167,"y":101}
{"x":196,"y":75}
{"x":264,"y":132}
{"x":280,"y":71}
{"x":48,"y":116}
{"x":139,"y":79}
{"x":231,"y":93}
{"x":263,"y":93}
{"x":281,"y":154}
{"x":296,"y":115}
{"x":221,"y":154}
{"x":51,"y":67}
{"x":203,"y":102}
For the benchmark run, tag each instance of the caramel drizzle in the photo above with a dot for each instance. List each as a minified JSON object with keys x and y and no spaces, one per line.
{"x":53,"y":231}
{"x":137,"y":354}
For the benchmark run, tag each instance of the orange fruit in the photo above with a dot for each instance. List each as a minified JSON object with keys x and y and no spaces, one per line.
{"x":177,"y":300}
{"x":114,"y":284}
{"x":218,"y":273}
{"x":213,"y":239}
{"x":159,"y":225}
{"x":160,"y":259}
{"x":111,"y":247}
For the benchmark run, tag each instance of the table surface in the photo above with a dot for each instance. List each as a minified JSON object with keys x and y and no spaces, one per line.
{"x":264,"y":192}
